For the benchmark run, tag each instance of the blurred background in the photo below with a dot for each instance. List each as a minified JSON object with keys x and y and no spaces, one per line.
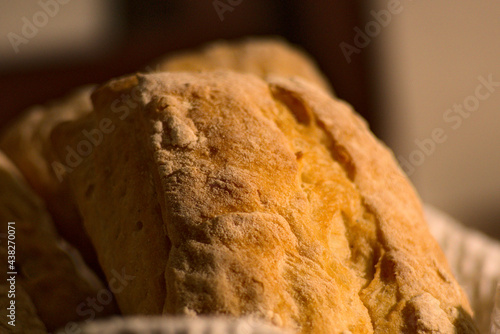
{"x":424,"y":74}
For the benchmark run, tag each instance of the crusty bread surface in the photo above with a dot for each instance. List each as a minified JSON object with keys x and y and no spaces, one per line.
{"x":222,"y":193}
{"x":26,"y":141}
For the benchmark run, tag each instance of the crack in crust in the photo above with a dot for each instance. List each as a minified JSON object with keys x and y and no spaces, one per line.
{"x":394,"y":262}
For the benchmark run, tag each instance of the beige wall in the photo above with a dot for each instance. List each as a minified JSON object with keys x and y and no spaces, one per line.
{"x":432,"y":56}
{"x":36,"y":31}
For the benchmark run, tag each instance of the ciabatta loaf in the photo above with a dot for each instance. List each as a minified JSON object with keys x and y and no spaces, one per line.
{"x":222,"y":193}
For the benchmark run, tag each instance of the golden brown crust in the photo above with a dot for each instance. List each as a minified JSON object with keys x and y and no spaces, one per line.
{"x":27,"y":143}
{"x":263,"y":198}
{"x":51,"y":271}
{"x":411,"y":271}
{"x":128,"y":244}
{"x":261,"y":56}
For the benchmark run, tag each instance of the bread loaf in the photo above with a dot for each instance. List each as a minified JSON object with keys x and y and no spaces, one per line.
{"x":51,"y":271}
{"x":26,"y":143}
{"x":259,"y":56}
{"x":222,"y":193}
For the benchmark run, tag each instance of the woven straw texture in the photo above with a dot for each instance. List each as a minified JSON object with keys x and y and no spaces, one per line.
{"x":475,"y":261}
